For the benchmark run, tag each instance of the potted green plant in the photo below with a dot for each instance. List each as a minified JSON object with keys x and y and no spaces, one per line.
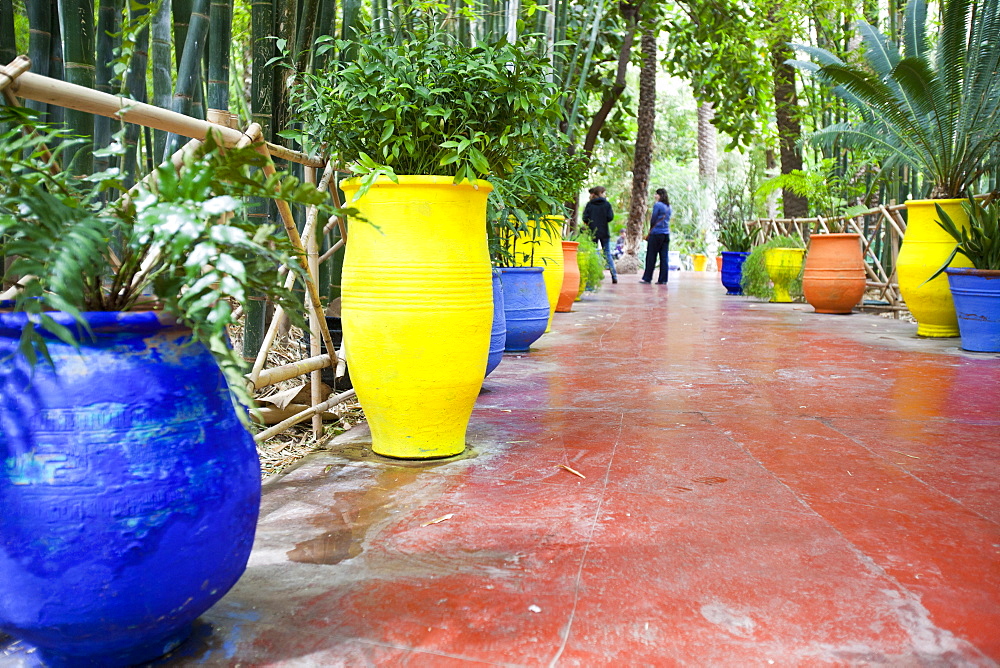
{"x":933,"y":107}
{"x":130,"y":488}
{"x":782,"y":280}
{"x":976,"y":289}
{"x":732,"y":211}
{"x":417,"y":283}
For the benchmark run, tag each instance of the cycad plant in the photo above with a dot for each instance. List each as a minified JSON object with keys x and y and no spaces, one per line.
{"x":935,"y":106}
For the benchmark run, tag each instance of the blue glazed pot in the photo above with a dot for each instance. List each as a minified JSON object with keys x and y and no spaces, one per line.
{"x":498,"y":340}
{"x":129,"y":490}
{"x":976,"y":293}
{"x":732,"y":271}
{"x":526,"y":306}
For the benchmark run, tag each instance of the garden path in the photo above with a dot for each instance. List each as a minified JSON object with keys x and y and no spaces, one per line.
{"x":764,"y":485}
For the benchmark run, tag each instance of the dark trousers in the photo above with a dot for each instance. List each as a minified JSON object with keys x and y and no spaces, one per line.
{"x":657,"y":245}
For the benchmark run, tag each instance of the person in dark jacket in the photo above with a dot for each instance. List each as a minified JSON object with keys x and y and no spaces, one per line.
{"x":597,"y":214}
{"x":658,"y":239}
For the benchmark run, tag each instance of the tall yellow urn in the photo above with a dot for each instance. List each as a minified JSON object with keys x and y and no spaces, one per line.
{"x":542,"y":247}
{"x":925,"y":248}
{"x":783,"y":266}
{"x":417,"y":310}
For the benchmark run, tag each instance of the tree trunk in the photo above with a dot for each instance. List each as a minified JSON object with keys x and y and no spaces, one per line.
{"x":707,"y":139}
{"x":643,"y":160}
{"x":787,"y":115}
{"x":630,"y":12}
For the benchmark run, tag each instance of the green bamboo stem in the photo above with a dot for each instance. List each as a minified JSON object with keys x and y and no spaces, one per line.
{"x":135,"y":88}
{"x":285,"y":22}
{"x":162,"y":62}
{"x":352,"y":12}
{"x":109,"y":22}
{"x":40,"y":18}
{"x":220,"y":35}
{"x":180,"y":12}
{"x":8,"y":45}
{"x":187,"y":75}
{"x":259,"y":211}
{"x":306,"y":33}
{"x":76,"y":25}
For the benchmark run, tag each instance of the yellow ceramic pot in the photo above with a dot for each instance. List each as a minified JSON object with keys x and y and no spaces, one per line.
{"x":548,"y":254}
{"x":925,"y":248}
{"x":783,"y":267}
{"x":418,"y":311}
{"x":699,"y":260}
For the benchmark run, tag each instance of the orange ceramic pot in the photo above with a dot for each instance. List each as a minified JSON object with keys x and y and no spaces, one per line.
{"x":571,"y":278}
{"x":833,"y":280}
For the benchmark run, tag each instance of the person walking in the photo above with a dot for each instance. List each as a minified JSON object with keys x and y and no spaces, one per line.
{"x":597,"y":214}
{"x":658,"y":239}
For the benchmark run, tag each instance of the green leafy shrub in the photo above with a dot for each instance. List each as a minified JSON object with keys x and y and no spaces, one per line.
{"x":426,"y":104}
{"x":590,"y":262}
{"x":755,"y":281}
{"x":180,"y":244}
{"x":734,"y":208}
{"x":980,"y":241}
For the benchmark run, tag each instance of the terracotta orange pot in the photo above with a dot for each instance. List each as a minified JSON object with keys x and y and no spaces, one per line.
{"x":718,"y":263}
{"x":834,"y":277}
{"x":571,"y":278}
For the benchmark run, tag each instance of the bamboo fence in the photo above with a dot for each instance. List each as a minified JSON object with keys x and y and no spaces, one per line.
{"x":881,"y":229}
{"x":17,"y":81}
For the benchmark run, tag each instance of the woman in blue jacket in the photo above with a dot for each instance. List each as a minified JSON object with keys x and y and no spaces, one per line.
{"x":658,"y":239}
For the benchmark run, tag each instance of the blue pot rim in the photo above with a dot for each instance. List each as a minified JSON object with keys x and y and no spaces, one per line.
{"x":988,"y":274}
{"x":135,"y":322}
{"x":724,"y":253}
{"x":525,"y":270}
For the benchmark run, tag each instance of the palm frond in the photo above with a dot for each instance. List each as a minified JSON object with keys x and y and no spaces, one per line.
{"x":914,"y":31}
{"x":882,"y":54}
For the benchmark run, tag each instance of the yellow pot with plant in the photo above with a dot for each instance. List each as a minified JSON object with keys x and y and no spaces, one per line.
{"x":783,"y":266}
{"x":418,"y":311}
{"x":541,"y":246}
{"x":926,"y":246}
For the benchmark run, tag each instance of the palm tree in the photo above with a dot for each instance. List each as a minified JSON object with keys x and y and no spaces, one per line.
{"x":643,"y":157}
{"x":936,"y":110}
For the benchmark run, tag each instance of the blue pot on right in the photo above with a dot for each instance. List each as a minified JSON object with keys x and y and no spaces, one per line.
{"x":498,"y":339}
{"x":976,"y":293}
{"x":526,"y":306}
{"x":732,"y":271}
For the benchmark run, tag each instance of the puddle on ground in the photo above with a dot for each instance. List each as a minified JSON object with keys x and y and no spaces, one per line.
{"x":330,"y":548}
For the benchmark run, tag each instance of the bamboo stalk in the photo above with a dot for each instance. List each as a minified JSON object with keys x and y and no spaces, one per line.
{"x":221,"y":26}
{"x":76,"y":25}
{"x":8,"y":45}
{"x":109,"y":20}
{"x":333,"y":249}
{"x":71,"y":96}
{"x":291,"y":370}
{"x":190,"y":65}
{"x":39,"y":44}
{"x":315,"y":314}
{"x":295,"y":419}
{"x":274,"y":415}
{"x":135,"y":87}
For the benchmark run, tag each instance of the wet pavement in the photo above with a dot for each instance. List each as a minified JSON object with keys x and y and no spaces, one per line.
{"x":758,"y":485}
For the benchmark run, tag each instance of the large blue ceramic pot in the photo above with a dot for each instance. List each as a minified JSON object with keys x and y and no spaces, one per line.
{"x":129,"y":490}
{"x":732,"y":271}
{"x":526,"y":306}
{"x":976,"y":293}
{"x":498,"y":339}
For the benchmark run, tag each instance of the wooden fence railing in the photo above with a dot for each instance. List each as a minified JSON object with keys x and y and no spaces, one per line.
{"x":881,"y":230}
{"x":17,"y":81}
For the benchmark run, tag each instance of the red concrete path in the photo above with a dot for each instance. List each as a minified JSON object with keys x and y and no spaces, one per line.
{"x":764,"y":485}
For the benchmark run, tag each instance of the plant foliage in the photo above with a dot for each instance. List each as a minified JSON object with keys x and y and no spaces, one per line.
{"x":734,"y":209}
{"x":980,"y":240}
{"x":755,"y":281}
{"x":427,"y":105}
{"x":590,"y":261}
{"x":179,"y":243}
{"x":933,"y":106}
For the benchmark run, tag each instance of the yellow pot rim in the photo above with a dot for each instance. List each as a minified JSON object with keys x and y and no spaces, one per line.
{"x":932,"y":202}
{"x":354,"y":182}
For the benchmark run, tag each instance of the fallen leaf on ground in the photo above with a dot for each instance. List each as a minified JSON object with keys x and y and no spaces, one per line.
{"x":438,"y":520}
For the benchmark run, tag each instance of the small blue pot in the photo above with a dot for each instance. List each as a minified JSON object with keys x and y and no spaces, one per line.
{"x":976,"y":293}
{"x":526,"y":306}
{"x":129,"y":490}
{"x":732,"y":271}
{"x":498,"y":340}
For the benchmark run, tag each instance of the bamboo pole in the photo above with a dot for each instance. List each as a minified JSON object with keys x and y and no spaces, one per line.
{"x":291,"y":370}
{"x":309,"y":412}
{"x":71,"y":96}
